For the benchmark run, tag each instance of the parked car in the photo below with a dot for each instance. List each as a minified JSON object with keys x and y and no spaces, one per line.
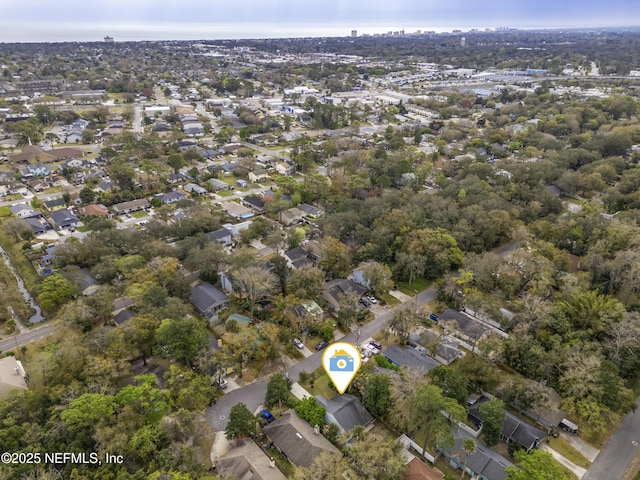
{"x":372,"y":299}
{"x":365,"y":302}
{"x":222,"y":383}
{"x":378,"y":345}
{"x":266,"y":414}
{"x":321,"y":345}
{"x":372,"y":349}
{"x":298,"y":343}
{"x":433,"y":317}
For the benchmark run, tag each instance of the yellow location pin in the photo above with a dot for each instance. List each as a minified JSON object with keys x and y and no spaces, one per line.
{"x":341,"y":361}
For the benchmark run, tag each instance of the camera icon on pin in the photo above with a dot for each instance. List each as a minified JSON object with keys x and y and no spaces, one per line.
{"x":341,"y":362}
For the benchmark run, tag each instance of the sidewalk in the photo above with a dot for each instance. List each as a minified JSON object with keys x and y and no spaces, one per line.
{"x":578,"y":471}
{"x":588,"y":451}
{"x":299,"y":392}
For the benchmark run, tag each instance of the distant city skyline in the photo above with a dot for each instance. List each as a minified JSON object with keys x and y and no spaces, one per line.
{"x":77,"y":20}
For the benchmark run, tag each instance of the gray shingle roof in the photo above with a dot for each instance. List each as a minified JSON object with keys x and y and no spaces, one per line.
{"x":295,"y":438}
{"x":205,"y":296}
{"x":345,"y":410}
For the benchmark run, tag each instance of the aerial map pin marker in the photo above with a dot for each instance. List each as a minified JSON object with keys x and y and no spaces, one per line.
{"x":341,"y":361}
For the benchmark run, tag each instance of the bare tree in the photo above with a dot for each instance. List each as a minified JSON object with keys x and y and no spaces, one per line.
{"x":256,"y":283}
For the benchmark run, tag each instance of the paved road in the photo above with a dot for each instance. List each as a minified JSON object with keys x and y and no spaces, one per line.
{"x":619,"y":451}
{"x":253,"y":394}
{"x":25,"y":338}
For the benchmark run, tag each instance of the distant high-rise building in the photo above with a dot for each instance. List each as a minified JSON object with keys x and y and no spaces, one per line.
{"x":463,"y":42}
{"x":108,"y":39}
{"x":354,"y":33}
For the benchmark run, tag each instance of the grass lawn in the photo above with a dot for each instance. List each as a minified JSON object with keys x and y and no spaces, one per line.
{"x":49,"y":191}
{"x":139,"y":214}
{"x":84,"y":228}
{"x":12,"y":197}
{"x":567,"y":451}
{"x":415,"y":287}
{"x":388,"y":299}
{"x":321,"y":384}
{"x":225,"y":193}
{"x":24,"y":267}
{"x":5,"y":211}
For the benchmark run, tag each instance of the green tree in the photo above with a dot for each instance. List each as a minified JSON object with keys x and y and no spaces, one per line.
{"x":306,"y":282}
{"x":426,"y":405}
{"x":535,"y":465}
{"x":241,"y":422}
{"x":375,"y":457}
{"x":469,"y":446}
{"x":278,"y":390}
{"x":182,"y":339}
{"x":87,"y":410}
{"x":86,"y":195}
{"x":493,"y":415}
{"x":144,"y":399}
{"x":54,"y":290}
{"x":176,"y":161}
{"x":438,"y":246}
{"x":335,"y":257}
{"x":377,"y":276}
{"x":141,"y":333}
{"x":453,"y":382}
{"x":377,"y":394}
{"x":309,"y":410}
{"x":122,"y":174}
{"x":257,"y":284}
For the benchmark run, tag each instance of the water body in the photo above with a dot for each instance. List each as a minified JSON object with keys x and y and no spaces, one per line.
{"x":37,"y":316}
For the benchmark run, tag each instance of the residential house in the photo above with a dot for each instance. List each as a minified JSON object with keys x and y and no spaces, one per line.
{"x":123,"y":316}
{"x":176,"y":178}
{"x":410,"y":357}
{"x":483,"y":464}
{"x":310,"y":210}
{"x":418,"y":470}
{"x":132,"y":206}
{"x":22,"y":210}
{"x":218,"y":185}
{"x":12,"y":376}
{"x":236,"y":210}
{"x":284,"y":168}
{"x":297,"y":258}
{"x":345,"y":411}
{"x":95,"y":209}
{"x":103,"y":187}
{"x":297,"y":440}
{"x":171,"y":197}
{"x":291,"y":216}
{"x":64,"y":219}
{"x":333,"y":290}
{"x":35,"y":170}
{"x":444,"y":349}
{"x":228,"y":168}
{"x":36,"y":184}
{"x":514,"y":429}
{"x":247,"y":461}
{"x":222,"y":235}
{"x":193,"y":129}
{"x":38,"y":225}
{"x":208,"y":300}
{"x":192,"y":187}
{"x":254,"y":202}
{"x":259,"y":175}
{"x":469,"y":327}
{"x":309,"y":309}
{"x":242,"y":183}
{"x":122,"y":303}
{"x":55,"y":204}
{"x":35,"y":154}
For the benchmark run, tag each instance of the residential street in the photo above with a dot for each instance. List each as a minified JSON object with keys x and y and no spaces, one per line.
{"x":25,"y":338}
{"x":253,"y":394}
{"x":622,"y":447}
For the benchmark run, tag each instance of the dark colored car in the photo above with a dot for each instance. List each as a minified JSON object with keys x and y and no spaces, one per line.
{"x":378,"y":345}
{"x":266,"y":414}
{"x":434,"y":317}
{"x":321,"y":345}
{"x":365,"y":302}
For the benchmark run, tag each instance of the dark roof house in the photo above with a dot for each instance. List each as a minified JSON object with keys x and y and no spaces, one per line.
{"x":247,"y":462}
{"x":64,"y":219}
{"x":333,"y":290}
{"x":296,"y":439}
{"x":345,"y":411}
{"x":409,"y":357}
{"x":208,"y":300}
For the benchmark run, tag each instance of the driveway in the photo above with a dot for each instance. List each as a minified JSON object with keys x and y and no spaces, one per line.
{"x":619,"y":451}
{"x":251,"y":395}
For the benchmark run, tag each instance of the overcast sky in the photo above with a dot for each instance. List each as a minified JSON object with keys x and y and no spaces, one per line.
{"x":67,"y":20}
